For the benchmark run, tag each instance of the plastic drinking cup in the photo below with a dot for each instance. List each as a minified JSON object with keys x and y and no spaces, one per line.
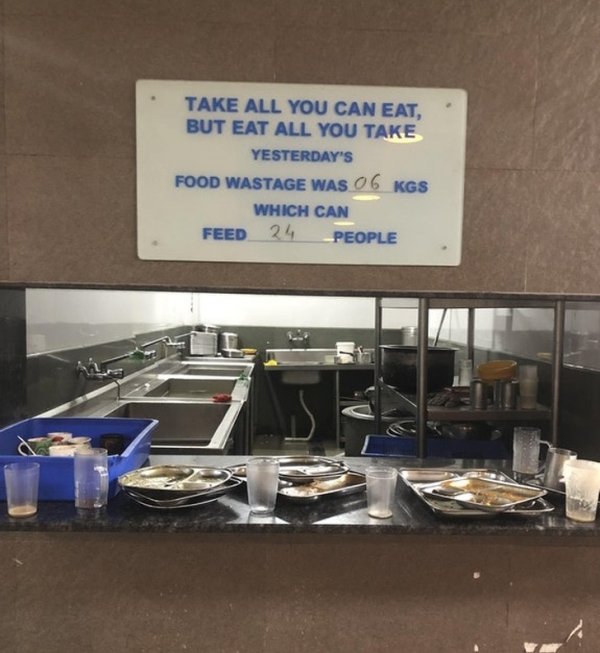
{"x":582,"y":485}
{"x":381,"y":489}
{"x":22,"y":483}
{"x":91,"y":477}
{"x":526,"y":450}
{"x":262,"y":479}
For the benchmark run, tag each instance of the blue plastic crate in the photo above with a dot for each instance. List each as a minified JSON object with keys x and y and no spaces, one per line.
{"x":56,"y":473}
{"x":388,"y":445}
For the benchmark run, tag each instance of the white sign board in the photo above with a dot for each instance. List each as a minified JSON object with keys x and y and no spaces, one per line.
{"x":299,"y":173}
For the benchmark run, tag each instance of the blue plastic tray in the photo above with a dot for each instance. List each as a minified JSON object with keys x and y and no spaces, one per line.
{"x":56,"y":473}
{"x":388,"y":445}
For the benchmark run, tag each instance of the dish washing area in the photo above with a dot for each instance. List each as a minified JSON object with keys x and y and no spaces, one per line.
{"x":341,"y":470}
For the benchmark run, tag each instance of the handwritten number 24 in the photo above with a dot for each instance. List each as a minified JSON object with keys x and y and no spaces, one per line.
{"x":278,"y":233}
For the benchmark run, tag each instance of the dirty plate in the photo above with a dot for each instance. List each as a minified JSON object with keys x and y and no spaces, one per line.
{"x":349,"y":483}
{"x":483,"y":493}
{"x":172,"y":481}
{"x":301,"y":469}
{"x":185,"y":501}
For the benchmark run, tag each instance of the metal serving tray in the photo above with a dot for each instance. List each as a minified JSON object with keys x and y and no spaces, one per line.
{"x":187,"y":501}
{"x":173,"y":481}
{"x":481,"y":493}
{"x":302,"y":469}
{"x":348,"y":483}
{"x":447,"y":505}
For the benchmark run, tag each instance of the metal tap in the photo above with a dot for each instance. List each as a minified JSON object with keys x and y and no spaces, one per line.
{"x":92,"y":372}
{"x":166,"y":342}
{"x":298,"y":340}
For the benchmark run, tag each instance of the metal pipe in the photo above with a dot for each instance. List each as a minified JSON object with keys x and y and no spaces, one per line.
{"x":471,"y":336}
{"x":422,"y":351}
{"x":557,"y":362}
{"x":377,"y":367}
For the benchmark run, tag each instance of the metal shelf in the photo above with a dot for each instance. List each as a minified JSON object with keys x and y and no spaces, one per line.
{"x":419,"y":406}
{"x":468,"y":414}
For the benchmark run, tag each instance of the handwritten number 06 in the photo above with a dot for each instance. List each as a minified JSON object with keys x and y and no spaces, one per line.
{"x":361,"y":182}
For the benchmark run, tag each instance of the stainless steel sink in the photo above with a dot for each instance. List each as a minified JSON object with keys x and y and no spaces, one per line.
{"x":201,"y":370}
{"x":301,"y":356}
{"x":184,"y":425}
{"x":191,"y":388}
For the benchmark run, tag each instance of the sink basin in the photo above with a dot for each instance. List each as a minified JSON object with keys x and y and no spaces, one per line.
{"x":184,"y":424}
{"x":301,"y":356}
{"x":201,"y":370}
{"x":191,"y":388}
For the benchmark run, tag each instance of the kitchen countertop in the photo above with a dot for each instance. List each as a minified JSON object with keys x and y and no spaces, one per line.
{"x":343,"y":515}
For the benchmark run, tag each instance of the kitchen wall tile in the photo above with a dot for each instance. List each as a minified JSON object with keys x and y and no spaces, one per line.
{"x":232,"y":11}
{"x":567,"y":133}
{"x":498,"y":73}
{"x":573,"y":18}
{"x":70,"y":84}
{"x":563,"y":234}
{"x":401,"y":15}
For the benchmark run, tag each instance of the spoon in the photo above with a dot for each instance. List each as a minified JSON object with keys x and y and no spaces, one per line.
{"x":31,"y":451}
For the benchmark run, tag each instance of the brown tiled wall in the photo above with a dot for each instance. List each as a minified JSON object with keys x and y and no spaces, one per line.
{"x":67,"y":128}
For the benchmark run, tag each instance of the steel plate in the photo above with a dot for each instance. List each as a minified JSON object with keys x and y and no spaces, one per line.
{"x":172,"y":481}
{"x":349,"y":483}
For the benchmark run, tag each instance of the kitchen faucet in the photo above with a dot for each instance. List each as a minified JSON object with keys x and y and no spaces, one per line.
{"x":298,"y":340}
{"x":166,"y":342}
{"x":92,"y":372}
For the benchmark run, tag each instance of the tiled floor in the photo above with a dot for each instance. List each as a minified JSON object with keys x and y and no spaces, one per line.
{"x":275,"y":445}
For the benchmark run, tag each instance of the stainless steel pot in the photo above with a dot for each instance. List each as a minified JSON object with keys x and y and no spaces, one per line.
{"x":399,"y":367}
{"x":409,"y":335}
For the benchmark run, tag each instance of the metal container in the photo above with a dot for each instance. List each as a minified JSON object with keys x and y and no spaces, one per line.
{"x":399,"y":367}
{"x":409,"y":335}
{"x":203,"y":343}
{"x":208,"y":328}
{"x":478,"y":394}
{"x":228,"y":340}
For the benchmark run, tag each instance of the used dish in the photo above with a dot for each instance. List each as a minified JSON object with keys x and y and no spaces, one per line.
{"x":483,"y":493}
{"x":301,"y":469}
{"x":349,"y":483}
{"x":447,"y":503}
{"x":171,"y":481}
{"x":182,"y":501}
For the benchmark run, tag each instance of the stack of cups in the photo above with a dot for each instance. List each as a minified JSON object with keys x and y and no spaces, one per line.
{"x":528,"y":386}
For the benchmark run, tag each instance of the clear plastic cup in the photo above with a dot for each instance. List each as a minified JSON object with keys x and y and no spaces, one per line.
{"x":262,"y":479}
{"x":582,"y":485}
{"x":91,"y":478}
{"x":526,"y":450}
{"x":22,"y":483}
{"x":381,"y":490}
